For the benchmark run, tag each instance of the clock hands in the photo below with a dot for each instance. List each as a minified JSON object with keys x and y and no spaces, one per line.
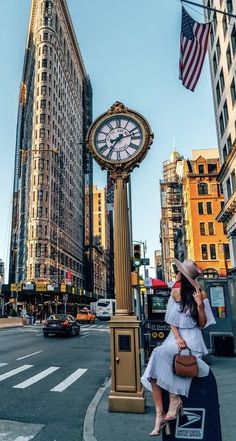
{"x":119,"y":138}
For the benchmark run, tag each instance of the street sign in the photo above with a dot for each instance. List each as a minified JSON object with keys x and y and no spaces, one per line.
{"x":145,"y":261}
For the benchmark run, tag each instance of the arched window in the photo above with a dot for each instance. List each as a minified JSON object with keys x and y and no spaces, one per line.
{"x":210,"y":273}
{"x":202,"y":188}
{"x":204,"y":251}
{"x":213,"y":251}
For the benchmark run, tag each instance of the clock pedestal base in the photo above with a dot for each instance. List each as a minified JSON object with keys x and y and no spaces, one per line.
{"x":126,"y":393}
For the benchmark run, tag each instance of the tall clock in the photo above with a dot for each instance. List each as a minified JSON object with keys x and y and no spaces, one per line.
{"x":119,"y":138}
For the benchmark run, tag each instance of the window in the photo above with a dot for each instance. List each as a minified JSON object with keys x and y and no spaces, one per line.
{"x":215,"y":64}
{"x":225,"y":153}
{"x":228,"y":57}
{"x":226,"y":113}
{"x":43,"y":90}
{"x":222,"y":80}
{"x":229,"y":143}
{"x":209,"y":208}
{"x":225,"y":227}
{"x":201,"y":168}
{"x":233,"y":39}
{"x":228,"y":186}
{"x":211,"y":228}
{"x":45,"y":36}
{"x":229,"y":6}
{"x":200,"y":208}
{"x":218,"y":50}
{"x":204,"y":252}
{"x":226,"y":251}
{"x":43,"y":104}
{"x":42,"y":118}
{"x":233,"y":180}
{"x":218,"y":96}
{"x":213,"y":251}
{"x":202,"y":188}
{"x":233,"y":92}
{"x":45,"y":49}
{"x":222,"y":126}
{"x":44,"y":62}
{"x":42,"y":133}
{"x":212,"y":168}
{"x":202,"y":229}
{"x":224,"y":24}
{"x":44,"y":76}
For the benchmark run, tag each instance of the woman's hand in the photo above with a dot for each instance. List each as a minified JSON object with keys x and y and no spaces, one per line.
{"x":198,"y":297}
{"x":181,"y":342}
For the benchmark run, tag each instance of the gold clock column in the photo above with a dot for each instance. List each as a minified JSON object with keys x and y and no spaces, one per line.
{"x":126,"y":393}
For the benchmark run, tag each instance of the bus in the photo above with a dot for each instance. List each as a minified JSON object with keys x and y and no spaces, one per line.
{"x":105,"y":309}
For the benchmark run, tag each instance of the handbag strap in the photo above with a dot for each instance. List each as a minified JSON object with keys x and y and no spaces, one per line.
{"x":184,"y":349}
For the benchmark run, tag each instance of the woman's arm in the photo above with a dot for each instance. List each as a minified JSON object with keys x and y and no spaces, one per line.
{"x":198,"y":297}
{"x":179,"y":340}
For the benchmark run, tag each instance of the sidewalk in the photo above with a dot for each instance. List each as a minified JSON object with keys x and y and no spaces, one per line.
{"x":12,"y":322}
{"x":109,"y":426}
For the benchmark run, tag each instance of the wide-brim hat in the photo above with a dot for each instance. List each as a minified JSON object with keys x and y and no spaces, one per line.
{"x":189,"y":270}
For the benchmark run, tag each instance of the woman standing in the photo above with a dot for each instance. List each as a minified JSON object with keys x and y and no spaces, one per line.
{"x":188,"y":311}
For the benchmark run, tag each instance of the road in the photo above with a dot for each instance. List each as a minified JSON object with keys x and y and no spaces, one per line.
{"x":46,"y":384}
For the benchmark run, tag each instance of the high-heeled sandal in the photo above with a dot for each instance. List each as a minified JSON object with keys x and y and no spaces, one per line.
{"x":175,"y":408}
{"x":160,"y":424}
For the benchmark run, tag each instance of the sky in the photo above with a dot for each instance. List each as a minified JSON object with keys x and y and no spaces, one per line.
{"x":130,"y":50}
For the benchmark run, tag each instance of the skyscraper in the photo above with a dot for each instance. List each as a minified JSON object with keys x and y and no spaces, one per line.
{"x":51,"y":163}
{"x":222,"y":55}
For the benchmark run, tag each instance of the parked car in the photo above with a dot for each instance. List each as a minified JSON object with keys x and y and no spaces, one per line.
{"x":61,"y":324}
{"x":84,"y":315}
{"x":105,"y":315}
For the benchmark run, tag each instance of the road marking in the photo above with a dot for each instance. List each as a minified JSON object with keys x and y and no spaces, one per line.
{"x":69,"y":380}
{"x":15,"y":431}
{"x":38,"y":335}
{"x":25,"y":356}
{"x":36,"y":378}
{"x":15,"y":371}
{"x":3,"y":364}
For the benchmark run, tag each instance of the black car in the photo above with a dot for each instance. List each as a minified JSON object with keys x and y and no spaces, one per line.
{"x":61,"y":324}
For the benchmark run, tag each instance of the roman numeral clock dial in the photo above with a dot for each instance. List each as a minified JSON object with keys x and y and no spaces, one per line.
{"x":119,"y":138}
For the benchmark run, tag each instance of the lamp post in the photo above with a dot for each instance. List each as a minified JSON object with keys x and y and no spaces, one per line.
{"x":119,"y":139}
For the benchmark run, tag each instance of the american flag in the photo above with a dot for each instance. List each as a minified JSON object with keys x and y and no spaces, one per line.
{"x":193,"y":45}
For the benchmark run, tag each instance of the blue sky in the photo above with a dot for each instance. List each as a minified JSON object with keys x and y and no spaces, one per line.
{"x":130,"y":49}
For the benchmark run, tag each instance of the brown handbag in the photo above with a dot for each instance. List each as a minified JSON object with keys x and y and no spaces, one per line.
{"x":185,"y":365}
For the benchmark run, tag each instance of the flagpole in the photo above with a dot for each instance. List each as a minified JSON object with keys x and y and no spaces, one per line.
{"x":208,"y":8}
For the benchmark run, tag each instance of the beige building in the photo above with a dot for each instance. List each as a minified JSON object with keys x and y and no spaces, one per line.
{"x":222,"y":55}
{"x":101,"y":241}
{"x":47,"y":237}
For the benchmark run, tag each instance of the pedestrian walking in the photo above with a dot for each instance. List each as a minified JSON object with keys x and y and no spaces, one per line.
{"x":188,"y":310}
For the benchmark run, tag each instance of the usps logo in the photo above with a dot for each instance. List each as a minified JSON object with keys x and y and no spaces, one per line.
{"x":190,"y":425}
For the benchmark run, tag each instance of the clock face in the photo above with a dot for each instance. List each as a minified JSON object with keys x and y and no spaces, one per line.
{"x":118,"y":138}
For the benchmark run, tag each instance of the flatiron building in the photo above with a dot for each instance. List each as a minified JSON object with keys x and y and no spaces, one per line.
{"x":51,"y":162}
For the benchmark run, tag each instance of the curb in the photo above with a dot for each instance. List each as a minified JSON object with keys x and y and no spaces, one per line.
{"x":88,"y":430}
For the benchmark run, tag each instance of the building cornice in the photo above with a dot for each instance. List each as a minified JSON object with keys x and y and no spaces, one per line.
{"x":225,"y":167}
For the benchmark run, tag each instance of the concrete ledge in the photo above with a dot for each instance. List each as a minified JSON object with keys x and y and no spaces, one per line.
{"x":12,"y":322}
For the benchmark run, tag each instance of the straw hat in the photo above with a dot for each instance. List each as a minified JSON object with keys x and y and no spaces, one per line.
{"x":189,"y":270}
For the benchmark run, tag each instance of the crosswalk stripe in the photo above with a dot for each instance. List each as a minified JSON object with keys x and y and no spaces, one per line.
{"x":29,"y":355}
{"x":15,"y":371}
{"x":3,"y":364}
{"x":69,"y":380}
{"x":36,"y":378}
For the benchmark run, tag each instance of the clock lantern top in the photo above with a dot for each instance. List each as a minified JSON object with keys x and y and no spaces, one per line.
{"x":119,"y":138}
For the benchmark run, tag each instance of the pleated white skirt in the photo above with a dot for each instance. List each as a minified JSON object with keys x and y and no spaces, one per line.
{"x":160,"y":363}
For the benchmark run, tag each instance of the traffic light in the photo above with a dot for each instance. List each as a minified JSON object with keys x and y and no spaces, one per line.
{"x":137,"y":254}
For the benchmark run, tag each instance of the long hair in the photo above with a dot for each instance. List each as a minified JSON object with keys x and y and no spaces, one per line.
{"x":187,"y":302}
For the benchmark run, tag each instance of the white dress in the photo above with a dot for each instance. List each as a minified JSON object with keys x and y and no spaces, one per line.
{"x":160,"y":363}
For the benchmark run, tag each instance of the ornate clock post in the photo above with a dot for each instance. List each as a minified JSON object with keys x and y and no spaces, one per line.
{"x":119,"y":139}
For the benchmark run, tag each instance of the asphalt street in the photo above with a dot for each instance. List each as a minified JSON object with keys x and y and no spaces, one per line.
{"x":46,"y":384}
